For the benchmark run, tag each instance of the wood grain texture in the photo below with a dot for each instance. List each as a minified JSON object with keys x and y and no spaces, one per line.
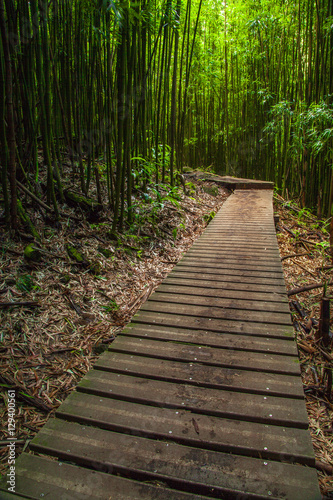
{"x":200,"y":396}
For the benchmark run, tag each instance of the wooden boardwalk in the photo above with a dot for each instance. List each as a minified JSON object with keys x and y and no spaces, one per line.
{"x":200,"y":396}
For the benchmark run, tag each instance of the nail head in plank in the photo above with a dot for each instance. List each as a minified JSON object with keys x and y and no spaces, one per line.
{"x":207,"y":471}
{"x":222,"y":403}
{"x":216,"y":325}
{"x":227,"y":378}
{"x":40,"y":477}
{"x":220,"y":434}
{"x":212,"y":339}
{"x":269,"y":363}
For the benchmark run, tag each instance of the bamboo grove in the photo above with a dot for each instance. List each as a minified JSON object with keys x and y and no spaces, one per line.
{"x":117,"y":95}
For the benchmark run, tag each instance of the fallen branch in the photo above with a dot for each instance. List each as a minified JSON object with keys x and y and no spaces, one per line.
{"x":34,"y":197}
{"x":23,"y":394}
{"x":288,"y":230}
{"x":141,"y":299}
{"x":304,"y":268}
{"x":315,"y":245}
{"x":291,"y":256}
{"x":324,"y":467}
{"x":323,"y":332}
{"x":74,"y":306}
{"x":325,"y":354}
{"x":42,"y":204}
{"x":14,"y":304}
{"x":6,"y":442}
{"x":306,"y":288}
{"x":49,"y":254}
{"x":286,"y":204}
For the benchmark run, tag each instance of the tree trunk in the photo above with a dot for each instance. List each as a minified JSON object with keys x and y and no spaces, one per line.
{"x":10,"y":118}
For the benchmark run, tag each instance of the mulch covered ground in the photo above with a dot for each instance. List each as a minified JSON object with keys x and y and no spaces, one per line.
{"x":304,"y":248}
{"x":67,"y":313}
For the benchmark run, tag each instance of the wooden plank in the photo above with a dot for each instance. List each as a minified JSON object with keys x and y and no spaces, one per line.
{"x":201,"y":394}
{"x":256,"y":240}
{"x":256,"y":244}
{"x":221,"y":270}
{"x":231,"y":242}
{"x":232,"y":249}
{"x":255,"y":226}
{"x":211,"y":244}
{"x":219,"y":230}
{"x":236,"y":183}
{"x":220,"y":263}
{"x":225,"y":221}
{"x":186,"y":295}
{"x":257,"y":235}
{"x":198,"y":279}
{"x":186,"y":287}
{"x":5,"y":494}
{"x":208,"y":311}
{"x":243,"y":230}
{"x":176,"y":425}
{"x":195,"y":469}
{"x":231,"y":253}
{"x":269,"y":410}
{"x":228,"y":377}
{"x":39,"y":477}
{"x":259,"y":276}
{"x":215,"y":325}
{"x":230,"y":258}
{"x":263,"y":220}
{"x":213,"y":339}
{"x":269,"y":363}
{"x":270,"y":284}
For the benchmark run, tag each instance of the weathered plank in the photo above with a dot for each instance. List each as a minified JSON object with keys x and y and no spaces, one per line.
{"x":213,"y":339}
{"x":221,"y":257}
{"x":216,"y":325}
{"x":226,"y":377}
{"x":232,"y":267}
{"x":269,"y":363}
{"x":176,"y":425}
{"x":214,"y":312}
{"x":221,"y":403}
{"x":204,"y":471}
{"x":232,"y":182}
{"x":259,"y":299}
{"x":200,"y":396}
{"x":39,"y":477}
{"x":201,"y":296}
{"x":277,"y":293}
{"x":234,"y":277}
{"x":233,"y":249}
{"x":257,"y":241}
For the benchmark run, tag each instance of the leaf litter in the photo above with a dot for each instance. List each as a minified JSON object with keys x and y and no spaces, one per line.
{"x":304,"y":248}
{"x":57,"y":315}
{"x":67,"y":313}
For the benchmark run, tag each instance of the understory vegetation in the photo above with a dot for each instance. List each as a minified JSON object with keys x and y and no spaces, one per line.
{"x":123,"y":94}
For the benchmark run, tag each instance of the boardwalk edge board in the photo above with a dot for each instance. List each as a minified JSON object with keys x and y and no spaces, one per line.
{"x":200,"y":396}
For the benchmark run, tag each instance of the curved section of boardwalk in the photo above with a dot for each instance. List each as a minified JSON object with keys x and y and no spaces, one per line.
{"x":201,"y":395}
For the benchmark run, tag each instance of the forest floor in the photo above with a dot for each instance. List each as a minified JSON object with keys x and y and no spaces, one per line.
{"x":68,"y":312}
{"x":304,"y":249}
